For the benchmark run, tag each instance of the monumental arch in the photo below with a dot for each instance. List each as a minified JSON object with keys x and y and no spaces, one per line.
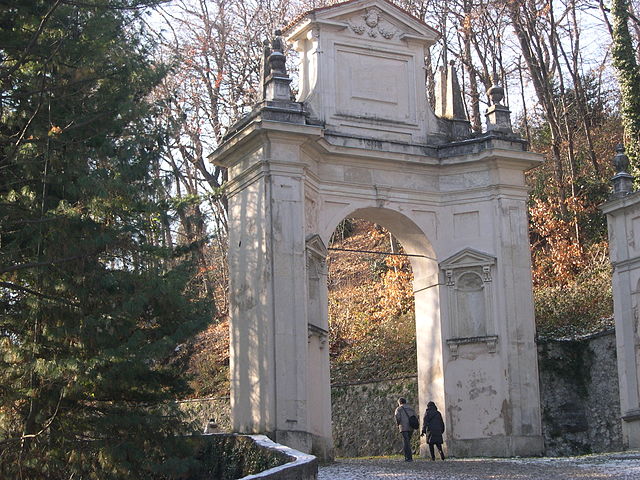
{"x":361,"y":141}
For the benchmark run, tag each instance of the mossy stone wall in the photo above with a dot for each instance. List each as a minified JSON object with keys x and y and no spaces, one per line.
{"x":363,"y":417}
{"x":580,"y":395}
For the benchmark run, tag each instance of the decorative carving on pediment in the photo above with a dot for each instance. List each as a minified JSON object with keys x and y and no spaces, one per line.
{"x":372,"y":24}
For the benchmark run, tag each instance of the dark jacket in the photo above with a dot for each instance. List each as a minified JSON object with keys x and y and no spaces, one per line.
{"x":433,"y":425}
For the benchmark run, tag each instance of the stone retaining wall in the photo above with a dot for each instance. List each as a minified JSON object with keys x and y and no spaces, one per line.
{"x":579,"y":398}
{"x":300,"y":467}
{"x":248,"y":457}
{"x":363,"y":421}
{"x":201,"y":410}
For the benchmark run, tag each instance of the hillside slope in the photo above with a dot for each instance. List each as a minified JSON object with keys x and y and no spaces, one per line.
{"x":371,"y":319}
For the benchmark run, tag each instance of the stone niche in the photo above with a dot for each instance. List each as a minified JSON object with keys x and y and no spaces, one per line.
{"x":362,"y":70}
{"x":468,"y":278}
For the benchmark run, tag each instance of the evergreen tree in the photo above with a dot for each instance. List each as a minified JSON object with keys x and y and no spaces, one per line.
{"x":91,"y":302}
{"x":625,"y":63}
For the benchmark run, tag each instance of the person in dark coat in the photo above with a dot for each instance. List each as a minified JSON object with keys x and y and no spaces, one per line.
{"x":433,"y":427}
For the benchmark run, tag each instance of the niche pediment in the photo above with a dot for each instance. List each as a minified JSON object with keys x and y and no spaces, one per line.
{"x":467,"y":257}
{"x":316,"y":246}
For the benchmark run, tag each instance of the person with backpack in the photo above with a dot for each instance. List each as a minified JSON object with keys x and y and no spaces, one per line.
{"x":407,"y":422}
{"x":433,"y":427}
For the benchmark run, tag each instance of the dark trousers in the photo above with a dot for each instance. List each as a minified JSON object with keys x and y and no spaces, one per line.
{"x":433,"y":453}
{"x":406,"y":445}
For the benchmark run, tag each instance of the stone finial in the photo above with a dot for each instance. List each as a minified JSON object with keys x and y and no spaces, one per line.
{"x":496,"y":94}
{"x":622,"y":181}
{"x":498,"y":116}
{"x":449,"y":104}
{"x":621,"y":161}
{"x":449,"y":95}
{"x":276,"y":81}
{"x":265,"y":69}
{"x":277,"y":59}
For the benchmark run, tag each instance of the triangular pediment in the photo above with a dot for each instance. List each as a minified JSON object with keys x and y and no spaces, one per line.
{"x":467,"y":257}
{"x":369,"y":80}
{"x":316,"y":246}
{"x":371,"y":19}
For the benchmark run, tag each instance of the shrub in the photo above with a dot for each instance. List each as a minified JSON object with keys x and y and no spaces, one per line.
{"x":579,"y":307}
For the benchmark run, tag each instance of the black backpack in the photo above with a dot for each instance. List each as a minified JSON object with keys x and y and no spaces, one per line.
{"x":413,"y":420}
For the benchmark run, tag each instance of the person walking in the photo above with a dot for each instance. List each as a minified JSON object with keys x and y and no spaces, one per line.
{"x":403,"y":414}
{"x":433,"y":427}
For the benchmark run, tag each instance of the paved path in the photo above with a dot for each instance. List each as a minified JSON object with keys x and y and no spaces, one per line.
{"x":620,"y":466}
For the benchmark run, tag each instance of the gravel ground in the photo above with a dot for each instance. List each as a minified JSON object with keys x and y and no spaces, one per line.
{"x":618,"y":466}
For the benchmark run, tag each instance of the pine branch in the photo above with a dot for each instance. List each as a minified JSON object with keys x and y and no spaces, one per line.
{"x":24,"y":266}
{"x":44,"y":428}
{"x":20,"y":288}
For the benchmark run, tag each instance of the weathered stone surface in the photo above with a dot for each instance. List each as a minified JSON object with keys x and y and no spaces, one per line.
{"x":367,"y":150}
{"x":623,"y":224}
{"x":579,"y":395}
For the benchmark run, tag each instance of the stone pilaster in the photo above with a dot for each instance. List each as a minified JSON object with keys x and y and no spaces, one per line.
{"x":623,"y":212}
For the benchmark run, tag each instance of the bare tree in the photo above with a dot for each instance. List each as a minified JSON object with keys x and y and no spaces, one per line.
{"x":214,"y":48}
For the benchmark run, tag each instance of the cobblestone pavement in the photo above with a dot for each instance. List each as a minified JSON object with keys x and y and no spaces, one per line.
{"x":618,"y":466}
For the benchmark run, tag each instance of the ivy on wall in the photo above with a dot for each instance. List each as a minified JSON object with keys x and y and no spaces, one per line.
{"x":625,"y":63}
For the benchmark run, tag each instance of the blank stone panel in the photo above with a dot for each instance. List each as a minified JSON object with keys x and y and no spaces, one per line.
{"x":371,"y":86}
{"x":466,"y":225}
{"x":635,"y":241}
{"x":471,"y":308}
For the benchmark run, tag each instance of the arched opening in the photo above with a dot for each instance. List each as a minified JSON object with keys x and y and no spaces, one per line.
{"x":384,"y":324}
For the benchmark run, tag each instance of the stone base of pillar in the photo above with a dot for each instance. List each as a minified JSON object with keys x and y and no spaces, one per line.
{"x":302,"y":441}
{"x":497,"y":446}
{"x":631,"y":429}
{"x":322,"y":448}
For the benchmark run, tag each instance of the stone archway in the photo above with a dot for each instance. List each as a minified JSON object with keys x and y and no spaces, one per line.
{"x":425,"y":270}
{"x":361,"y":140}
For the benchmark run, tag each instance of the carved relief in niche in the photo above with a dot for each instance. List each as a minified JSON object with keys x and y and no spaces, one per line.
{"x":372,"y":24}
